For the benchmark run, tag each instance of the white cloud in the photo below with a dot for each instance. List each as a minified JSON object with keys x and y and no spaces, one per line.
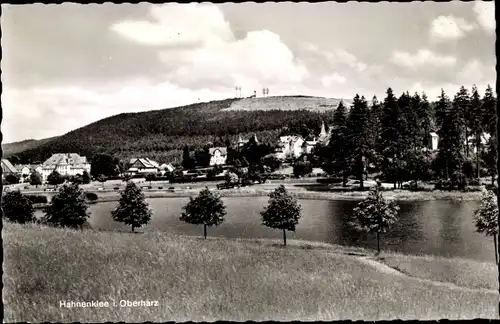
{"x":177,"y":24}
{"x":485,"y":14}
{"x":337,"y":57}
{"x":214,"y":57}
{"x":449,"y":28}
{"x":331,"y":79}
{"x":422,"y":57}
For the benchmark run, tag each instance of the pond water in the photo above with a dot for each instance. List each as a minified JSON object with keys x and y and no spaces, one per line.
{"x":436,"y":227}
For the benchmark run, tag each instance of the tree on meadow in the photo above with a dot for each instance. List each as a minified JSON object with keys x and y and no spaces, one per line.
{"x":486,"y":217}
{"x":206,"y":209}
{"x":282,"y":212}
{"x":375,"y":214}
{"x":17,"y":207}
{"x":68,"y":208}
{"x":132,"y":209}
{"x":358,"y":140}
{"x":105,"y":165}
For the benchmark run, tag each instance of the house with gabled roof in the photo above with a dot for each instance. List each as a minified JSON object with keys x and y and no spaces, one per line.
{"x":143,"y":165}
{"x":218,"y":155}
{"x":8,"y":168}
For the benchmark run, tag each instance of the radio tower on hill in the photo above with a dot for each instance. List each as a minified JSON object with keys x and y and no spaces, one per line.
{"x":238,"y":91}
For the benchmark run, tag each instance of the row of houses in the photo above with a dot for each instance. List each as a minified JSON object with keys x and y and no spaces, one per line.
{"x":289,"y":147}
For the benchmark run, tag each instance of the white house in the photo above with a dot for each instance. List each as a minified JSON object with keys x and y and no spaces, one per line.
{"x":167,"y":167}
{"x":65,"y":164}
{"x":434,"y":141}
{"x":485,"y":137}
{"x":143,"y":165}
{"x":289,"y":147}
{"x":218,"y":155}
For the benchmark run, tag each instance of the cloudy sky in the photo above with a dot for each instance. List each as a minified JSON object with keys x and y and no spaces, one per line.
{"x":65,"y":66}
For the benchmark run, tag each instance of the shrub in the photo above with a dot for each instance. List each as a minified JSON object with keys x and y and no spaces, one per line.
{"x":302,"y":168}
{"x":37,"y":199}
{"x":17,"y":207}
{"x":11,"y":179}
{"x":91,"y":196}
{"x":35,"y":179}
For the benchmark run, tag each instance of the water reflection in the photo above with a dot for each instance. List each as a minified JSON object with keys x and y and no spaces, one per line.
{"x":426,"y":227}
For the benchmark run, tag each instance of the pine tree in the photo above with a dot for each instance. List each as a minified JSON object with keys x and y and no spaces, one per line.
{"x":486,"y":217}
{"x":207,"y":209}
{"x":461,"y":103}
{"x":450,"y":155}
{"x":489,"y":111}
{"x":132,"y":209}
{"x":359,"y":136}
{"x":426,"y":119}
{"x":476,"y":125}
{"x":282,"y":212}
{"x":337,"y":152}
{"x":68,"y":208}
{"x":187,"y":161}
{"x":375,"y":214}
{"x":392,"y":138}
{"x":376,"y":131}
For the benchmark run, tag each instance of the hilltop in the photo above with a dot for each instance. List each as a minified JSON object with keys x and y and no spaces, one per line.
{"x":161,"y":134}
{"x":318,"y":104}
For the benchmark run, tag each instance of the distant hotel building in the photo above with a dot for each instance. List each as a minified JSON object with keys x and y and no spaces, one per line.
{"x":65,"y":164}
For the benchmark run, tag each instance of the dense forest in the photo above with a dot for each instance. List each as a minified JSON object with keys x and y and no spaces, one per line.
{"x":162,"y":134}
{"x":392,"y":138}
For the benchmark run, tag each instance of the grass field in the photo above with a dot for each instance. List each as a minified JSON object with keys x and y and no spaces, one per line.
{"x":223,"y":279}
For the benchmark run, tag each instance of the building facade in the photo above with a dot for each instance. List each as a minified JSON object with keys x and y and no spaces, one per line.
{"x":143,"y":166}
{"x":218,"y":155}
{"x":66,"y":164}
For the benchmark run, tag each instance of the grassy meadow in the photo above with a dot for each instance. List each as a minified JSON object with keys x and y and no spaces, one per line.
{"x":225,"y":279}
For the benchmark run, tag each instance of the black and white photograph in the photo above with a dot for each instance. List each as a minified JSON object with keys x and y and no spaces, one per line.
{"x":271,"y":161}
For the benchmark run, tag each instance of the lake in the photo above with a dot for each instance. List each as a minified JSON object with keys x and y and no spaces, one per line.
{"x":437,"y":227}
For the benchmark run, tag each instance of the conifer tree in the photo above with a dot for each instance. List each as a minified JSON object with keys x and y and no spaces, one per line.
{"x":476,"y":125}
{"x":359,"y":136}
{"x":450,"y":154}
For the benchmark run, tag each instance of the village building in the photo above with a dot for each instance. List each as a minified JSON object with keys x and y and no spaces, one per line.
{"x":143,"y":166}
{"x":166,"y":168}
{"x":218,"y":155}
{"x":66,"y":164}
{"x":293,"y":146}
{"x":8,"y":168}
{"x":485,"y":138}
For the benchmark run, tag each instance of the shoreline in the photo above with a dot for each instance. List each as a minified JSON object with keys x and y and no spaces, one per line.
{"x":399,"y":195}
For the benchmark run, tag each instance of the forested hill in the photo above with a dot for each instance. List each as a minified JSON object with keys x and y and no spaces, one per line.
{"x":161,"y":134}
{"x":10,"y":149}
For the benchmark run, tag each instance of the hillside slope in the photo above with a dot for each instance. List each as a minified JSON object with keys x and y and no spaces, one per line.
{"x":161,"y":134}
{"x":13,"y":148}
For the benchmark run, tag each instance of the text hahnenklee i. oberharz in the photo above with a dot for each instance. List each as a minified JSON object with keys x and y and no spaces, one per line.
{"x":104,"y":304}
